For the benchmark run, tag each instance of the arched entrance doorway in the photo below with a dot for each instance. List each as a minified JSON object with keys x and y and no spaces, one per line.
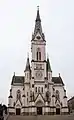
{"x":39,"y":105}
{"x":58,"y":110}
{"x":39,"y":110}
{"x":18,"y":111}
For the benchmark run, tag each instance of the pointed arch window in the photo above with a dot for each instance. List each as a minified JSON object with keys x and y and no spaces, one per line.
{"x":42,"y":89}
{"x":18,"y":94}
{"x":36,"y":89}
{"x":38,"y":54}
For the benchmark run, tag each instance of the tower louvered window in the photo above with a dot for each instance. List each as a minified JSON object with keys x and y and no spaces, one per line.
{"x":38,"y":54}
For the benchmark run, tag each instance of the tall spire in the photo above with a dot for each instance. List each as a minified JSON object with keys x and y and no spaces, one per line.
{"x":38,"y":15}
{"x":38,"y":27}
{"x":27,"y":64}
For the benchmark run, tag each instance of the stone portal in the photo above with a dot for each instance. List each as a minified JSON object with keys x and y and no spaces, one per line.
{"x":58,"y":111}
{"x":18,"y":111}
{"x":39,"y":110}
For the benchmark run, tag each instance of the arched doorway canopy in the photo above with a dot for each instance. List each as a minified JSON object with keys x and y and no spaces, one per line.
{"x":39,"y":103}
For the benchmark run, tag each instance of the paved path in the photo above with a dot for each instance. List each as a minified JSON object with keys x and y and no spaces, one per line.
{"x":55,"y":117}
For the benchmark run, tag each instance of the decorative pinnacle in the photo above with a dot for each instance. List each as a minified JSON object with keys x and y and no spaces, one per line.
{"x":28,"y":54}
{"x":47,"y":55}
{"x":14,"y":73}
{"x":59,"y":74}
{"x":27,"y":64}
{"x":38,"y":15}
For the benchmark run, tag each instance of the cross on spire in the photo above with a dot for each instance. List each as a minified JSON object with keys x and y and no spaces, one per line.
{"x":38,"y":7}
{"x":38,"y":15}
{"x":38,"y":27}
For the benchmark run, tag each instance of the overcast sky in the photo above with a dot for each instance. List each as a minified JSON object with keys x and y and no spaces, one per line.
{"x":17,"y":20}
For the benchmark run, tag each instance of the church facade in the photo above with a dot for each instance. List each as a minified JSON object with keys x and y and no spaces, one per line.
{"x":37,"y":92}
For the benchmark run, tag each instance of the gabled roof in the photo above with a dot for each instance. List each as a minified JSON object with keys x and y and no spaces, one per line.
{"x":41,"y":97}
{"x":18,"y":101}
{"x":57,"y":80}
{"x":72,"y":98}
{"x":17,"y":80}
{"x":57,"y":102}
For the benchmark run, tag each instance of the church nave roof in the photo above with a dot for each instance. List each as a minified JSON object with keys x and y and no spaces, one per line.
{"x":16,"y":80}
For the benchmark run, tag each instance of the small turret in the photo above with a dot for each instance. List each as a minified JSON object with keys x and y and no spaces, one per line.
{"x":49,"y":71}
{"x":27,"y":65}
{"x":27,"y":70}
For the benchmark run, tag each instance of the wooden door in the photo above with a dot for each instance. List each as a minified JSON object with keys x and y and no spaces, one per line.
{"x":18,"y":111}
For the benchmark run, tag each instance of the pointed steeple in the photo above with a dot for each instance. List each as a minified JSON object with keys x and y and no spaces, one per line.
{"x":38,"y":27}
{"x":27,"y":65}
{"x":38,"y":15}
{"x":48,"y":65}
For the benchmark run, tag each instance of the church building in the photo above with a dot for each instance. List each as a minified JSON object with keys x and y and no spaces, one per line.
{"x":37,"y":92}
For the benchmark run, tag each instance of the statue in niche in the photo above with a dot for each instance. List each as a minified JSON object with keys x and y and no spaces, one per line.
{"x":57,"y":95}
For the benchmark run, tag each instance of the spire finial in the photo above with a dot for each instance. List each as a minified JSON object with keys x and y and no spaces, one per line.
{"x":38,"y":15}
{"x":38,"y":27}
{"x":37,"y":7}
{"x":47,"y":56}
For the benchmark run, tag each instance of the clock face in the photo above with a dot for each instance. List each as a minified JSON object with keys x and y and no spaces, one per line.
{"x":39,"y":74}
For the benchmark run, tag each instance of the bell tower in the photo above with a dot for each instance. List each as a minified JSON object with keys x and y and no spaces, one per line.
{"x":38,"y":49}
